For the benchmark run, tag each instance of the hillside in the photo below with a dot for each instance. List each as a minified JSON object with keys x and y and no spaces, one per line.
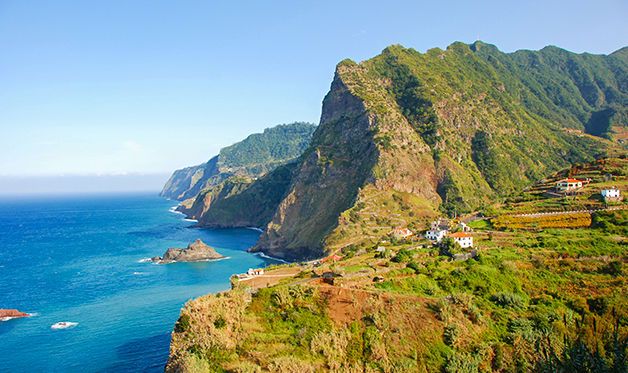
{"x":252,"y":157}
{"x":405,"y":136}
{"x":532,"y":299}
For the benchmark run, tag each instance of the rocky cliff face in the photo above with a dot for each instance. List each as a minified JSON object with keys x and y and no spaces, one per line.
{"x":241,"y":202}
{"x":327,"y":180}
{"x":188,"y":182}
{"x":406,"y":134}
{"x":250,"y":158}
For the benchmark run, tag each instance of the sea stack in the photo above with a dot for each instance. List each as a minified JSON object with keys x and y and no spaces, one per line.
{"x":197,"y":251}
{"x":8,"y":314}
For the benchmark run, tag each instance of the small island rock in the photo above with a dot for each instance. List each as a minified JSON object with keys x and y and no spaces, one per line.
{"x":195,"y":252}
{"x":7,"y":314}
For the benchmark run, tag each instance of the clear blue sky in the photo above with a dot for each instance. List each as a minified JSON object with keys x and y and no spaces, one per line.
{"x":106,"y":87}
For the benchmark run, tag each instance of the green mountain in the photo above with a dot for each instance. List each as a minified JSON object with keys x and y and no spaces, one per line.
{"x":406,"y":135}
{"x":250,"y":158}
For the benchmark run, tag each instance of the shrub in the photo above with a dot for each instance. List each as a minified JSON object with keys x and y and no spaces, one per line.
{"x":183,"y":324}
{"x":509,"y":300}
{"x":462,"y":362}
{"x":402,"y":256}
{"x":598,"y":305}
{"x":613,"y":268}
{"x":220,"y":322}
{"x":451,"y":334}
{"x":332,"y":345}
{"x":414,"y":266}
{"x":522,"y":327}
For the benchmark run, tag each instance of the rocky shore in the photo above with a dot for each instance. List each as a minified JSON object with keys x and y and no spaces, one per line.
{"x":8,"y":314}
{"x":197,"y":251}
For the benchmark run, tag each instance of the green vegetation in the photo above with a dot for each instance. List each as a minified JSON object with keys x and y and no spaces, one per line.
{"x":458,"y":129}
{"x":261,"y":152}
{"x":544,"y":301}
{"x":404,"y":138}
{"x":254,"y":156}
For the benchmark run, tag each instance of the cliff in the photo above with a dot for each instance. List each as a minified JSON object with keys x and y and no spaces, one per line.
{"x":250,"y":158}
{"x":406,"y":135}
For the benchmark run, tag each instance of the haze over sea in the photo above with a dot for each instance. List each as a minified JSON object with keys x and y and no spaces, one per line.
{"x":78,"y":259}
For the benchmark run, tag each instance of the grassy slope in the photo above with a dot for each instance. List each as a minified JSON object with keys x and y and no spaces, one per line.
{"x":526,"y":291}
{"x":534,"y":299}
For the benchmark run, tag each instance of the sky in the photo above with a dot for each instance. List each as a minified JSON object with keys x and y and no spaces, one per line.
{"x":122,"y":87}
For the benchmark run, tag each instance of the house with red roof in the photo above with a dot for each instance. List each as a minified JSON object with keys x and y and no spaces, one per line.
{"x":332,"y":258}
{"x":400,"y":233}
{"x":568,"y":184}
{"x":464,"y":239}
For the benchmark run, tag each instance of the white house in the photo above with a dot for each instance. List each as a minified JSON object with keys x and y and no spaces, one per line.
{"x":436,"y":235}
{"x":463,"y":239}
{"x":611,"y":194}
{"x":255,"y":272}
{"x":438,"y":230}
{"x":569,"y":184}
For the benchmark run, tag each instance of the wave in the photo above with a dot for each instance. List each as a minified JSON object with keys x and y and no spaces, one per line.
{"x":271,"y":258}
{"x":256,"y":229}
{"x":140,"y":273}
{"x":9,"y":318}
{"x":197,"y":261}
{"x":145,"y":260}
{"x":192,"y":220}
{"x":63,"y":325}
{"x":173,"y":210}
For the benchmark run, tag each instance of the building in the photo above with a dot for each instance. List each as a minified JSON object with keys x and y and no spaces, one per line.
{"x":400,"y":233}
{"x":611,"y":194}
{"x":329,"y":277}
{"x":255,"y":272}
{"x":463,"y":239}
{"x":464,"y":228}
{"x":438,"y":230}
{"x":569,"y":184}
{"x":436,"y":235}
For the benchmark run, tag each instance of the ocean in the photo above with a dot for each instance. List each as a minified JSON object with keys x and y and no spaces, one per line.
{"x":79,"y":259}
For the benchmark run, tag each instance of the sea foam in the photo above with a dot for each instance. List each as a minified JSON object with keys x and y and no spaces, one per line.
{"x":173,"y":210}
{"x":271,"y":258}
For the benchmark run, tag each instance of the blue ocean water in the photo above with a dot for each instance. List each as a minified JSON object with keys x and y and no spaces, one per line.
{"x":78,"y":259}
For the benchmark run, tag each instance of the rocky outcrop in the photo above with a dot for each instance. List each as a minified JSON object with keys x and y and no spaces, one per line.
{"x":197,"y":251}
{"x":327,"y":180}
{"x":8,"y":314}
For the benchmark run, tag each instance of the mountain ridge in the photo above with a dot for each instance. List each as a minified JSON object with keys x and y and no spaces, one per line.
{"x":454,"y":129}
{"x":252,"y":157}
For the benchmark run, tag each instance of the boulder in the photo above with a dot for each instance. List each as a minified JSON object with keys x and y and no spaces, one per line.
{"x":197,"y":251}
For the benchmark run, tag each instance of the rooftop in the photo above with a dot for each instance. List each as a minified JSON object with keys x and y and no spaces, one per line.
{"x":460,"y":235}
